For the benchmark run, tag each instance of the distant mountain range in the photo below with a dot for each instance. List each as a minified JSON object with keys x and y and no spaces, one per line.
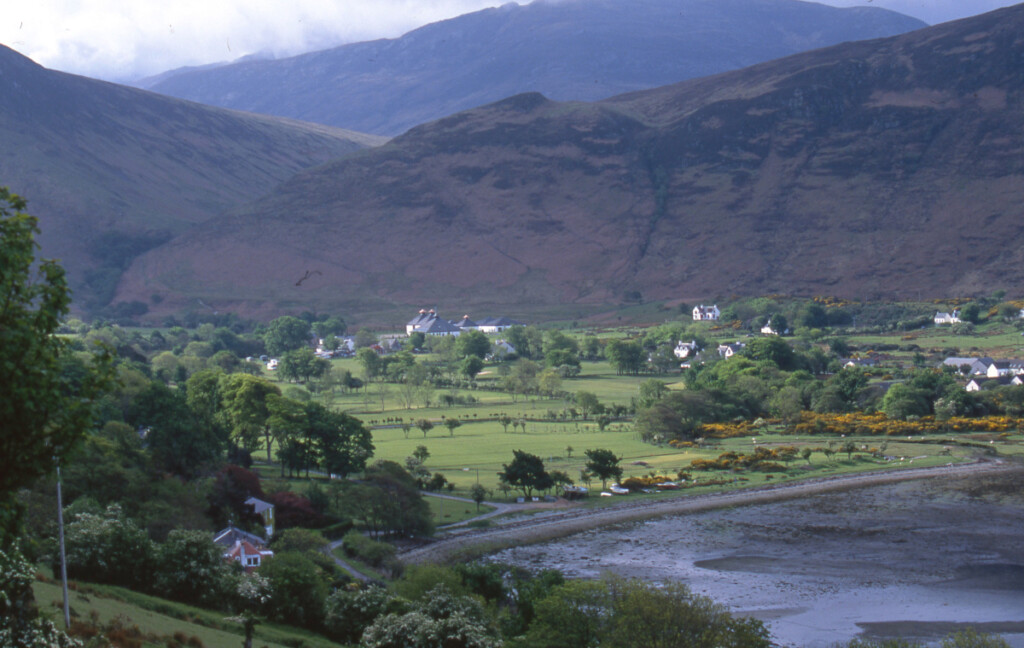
{"x":112,"y":171}
{"x":567,"y":50}
{"x":882,"y":169}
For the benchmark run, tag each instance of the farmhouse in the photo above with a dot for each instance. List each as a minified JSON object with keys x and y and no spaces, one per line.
{"x":685,"y":349}
{"x":706,"y":313}
{"x":428,"y":323}
{"x":947,"y":318}
{"x":243,"y":547}
{"x":729,"y":350}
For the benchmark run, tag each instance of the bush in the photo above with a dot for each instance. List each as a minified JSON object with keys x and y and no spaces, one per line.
{"x":369,"y":551}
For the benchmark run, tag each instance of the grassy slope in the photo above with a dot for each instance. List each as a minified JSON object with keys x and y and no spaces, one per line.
{"x":157,"y":618}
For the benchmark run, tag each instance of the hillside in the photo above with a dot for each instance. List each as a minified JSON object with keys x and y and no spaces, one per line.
{"x":580,"y":50}
{"x":111,"y":171}
{"x":882,"y":169}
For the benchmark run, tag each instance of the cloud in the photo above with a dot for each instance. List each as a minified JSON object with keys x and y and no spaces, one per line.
{"x":122,"y":39}
{"x":127,"y":39}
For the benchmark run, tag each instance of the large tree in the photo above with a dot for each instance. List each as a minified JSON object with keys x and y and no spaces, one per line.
{"x":245,"y":407}
{"x":43,"y":411}
{"x":286,"y":333}
{"x":603,"y":463}
{"x":526,"y":472}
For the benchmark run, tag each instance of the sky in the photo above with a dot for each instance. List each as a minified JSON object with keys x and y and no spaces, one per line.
{"x":121,"y":40}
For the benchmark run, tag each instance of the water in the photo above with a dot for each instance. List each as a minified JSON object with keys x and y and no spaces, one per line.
{"x":918,"y":560}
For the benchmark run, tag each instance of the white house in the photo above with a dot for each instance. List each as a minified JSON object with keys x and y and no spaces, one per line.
{"x":496,"y":324}
{"x":706,"y":313}
{"x":243,"y":547}
{"x":947,"y":318}
{"x":729,"y":350}
{"x":1005,"y":368}
{"x":685,"y":349}
{"x":428,"y":323}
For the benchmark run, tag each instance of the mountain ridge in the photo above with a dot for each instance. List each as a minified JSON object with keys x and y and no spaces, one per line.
{"x":111,"y":170}
{"x":887,"y":169}
{"x":572,"y":50}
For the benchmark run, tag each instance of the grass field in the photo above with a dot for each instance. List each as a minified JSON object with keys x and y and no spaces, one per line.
{"x":479,"y":447}
{"x":159,"y":620}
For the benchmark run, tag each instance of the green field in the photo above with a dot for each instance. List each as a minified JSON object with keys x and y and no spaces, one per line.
{"x":159,"y":620}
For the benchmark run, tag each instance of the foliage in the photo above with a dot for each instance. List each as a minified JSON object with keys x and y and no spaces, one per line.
{"x":190,"y":568}
{"x":20,"y":624}
{"x":367,"y":550}
{"x":627,"y":613}
{"x":603,"y":464}
{"x":443,"y":620}
{"x":109,"y":548}
{"x":349,"y":612}
{"x":43,"y":411}
{"x":390,"y":502}
{"x":526,"y":472}
{"x":286,"y":333}
{"x":298,"y":588}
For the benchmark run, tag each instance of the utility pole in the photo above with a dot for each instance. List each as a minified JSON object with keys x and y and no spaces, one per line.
{"x":63,"y":558}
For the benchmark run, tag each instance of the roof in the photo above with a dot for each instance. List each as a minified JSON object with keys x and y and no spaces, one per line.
{"x":258,"y":505}
{"x":437,"y":325}
{"x":231,"y":535}
{"x":465,"y":322}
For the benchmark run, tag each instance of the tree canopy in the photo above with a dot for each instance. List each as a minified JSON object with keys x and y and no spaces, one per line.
{"x":44,"y":410}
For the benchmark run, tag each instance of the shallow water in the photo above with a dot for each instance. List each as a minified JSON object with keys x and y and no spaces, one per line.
{"x":913,"y":560}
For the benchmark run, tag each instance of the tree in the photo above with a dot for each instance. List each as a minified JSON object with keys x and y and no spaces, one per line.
{"x":549,"y":381}
{"x":603,"y":463}
{"x":109,"y":548}
{"x":472,"y":343}
{"x":626,"y":357}
{"x":587,"y":402}
{"x":299,"y":588}
{"x":349,"y":613}
{"x":526,"y":472}
{"x":504,"y":420}
{"x":849,"y":447}
{"x":364,"y":338}
{"x":390,"y":502}
{"x":371,"y":362}
{"x":806,"y":453}
{"x":633,"y":614}
{"x":341,"y":442}
{"x":478,"y":493}
{"x":43,"y":413}
{"x":971,"y":313}
{"x":245,"y":407}
{"x":190,"y":568}
{"x":425,"y":426}
{"x":416,"y":340}
{"x":440,"y":620}
{"x":470,"y":366}
{"x":302,"y":364}
{"x":178,"y":440}
{"x":421,"y":453}
{"x":451,"y":424}
{"x":286,"y":333}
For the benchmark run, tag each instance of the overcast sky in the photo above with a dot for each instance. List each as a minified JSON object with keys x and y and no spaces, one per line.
{"x":125,"y":39}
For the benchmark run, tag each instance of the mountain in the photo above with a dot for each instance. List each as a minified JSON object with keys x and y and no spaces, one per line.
{"x":883,"y":169}
{"x":568,"y":50}
{"x":111,"y":171}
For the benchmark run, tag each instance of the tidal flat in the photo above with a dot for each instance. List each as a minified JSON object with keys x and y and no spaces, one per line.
{"x":917,"y":560}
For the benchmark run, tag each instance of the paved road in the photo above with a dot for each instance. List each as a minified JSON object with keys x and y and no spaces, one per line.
{"x":565,"y":522}
{"x":356,"y":574}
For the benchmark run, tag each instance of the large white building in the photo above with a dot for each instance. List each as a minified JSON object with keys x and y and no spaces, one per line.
{"x":706,"y":313}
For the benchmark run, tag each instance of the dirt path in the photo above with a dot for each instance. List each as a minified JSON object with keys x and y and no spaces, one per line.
{"x":572,"y":521}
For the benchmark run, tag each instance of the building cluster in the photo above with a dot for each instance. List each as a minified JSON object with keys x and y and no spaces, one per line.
{"x":428,"y":322}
